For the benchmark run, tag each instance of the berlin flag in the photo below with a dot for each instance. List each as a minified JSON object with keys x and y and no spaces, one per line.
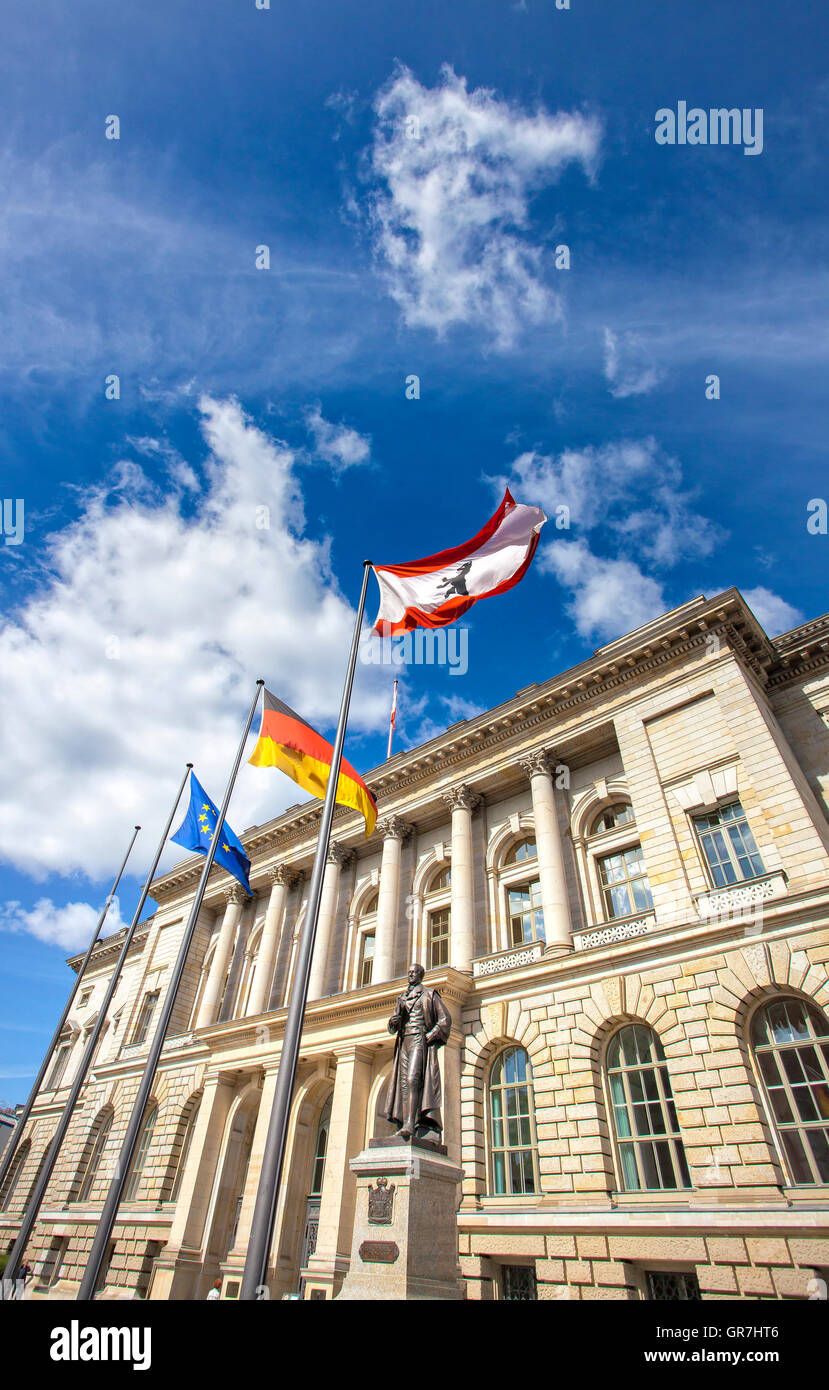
{"x":438,"y":589}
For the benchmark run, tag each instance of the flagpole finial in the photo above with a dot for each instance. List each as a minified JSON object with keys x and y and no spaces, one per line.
{"x":188,"y":764}
{"x":260,"y":681}
{"x":370,"y":563}
{"x":138,"y":827}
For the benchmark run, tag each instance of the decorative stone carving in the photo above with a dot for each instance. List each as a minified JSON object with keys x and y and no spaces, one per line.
{"x":509,"y":960}
{"x":741,"y":895}
{"x":338,"y":854}
{"x":394,"y":828}
{"x":461,"y":797}
{"x":284,"y":873}
{"x":539,"y":760}
{"x":236,"y":894}
{"x":380,"y":1202}
{"x":640,"y":926}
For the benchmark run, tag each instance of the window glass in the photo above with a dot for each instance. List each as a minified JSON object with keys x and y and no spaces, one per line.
{"x":648,"y":1142}
{"x":791,"y":1045}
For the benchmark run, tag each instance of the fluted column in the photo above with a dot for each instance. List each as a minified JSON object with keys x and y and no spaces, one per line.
{"x":209,"y":1011}
{"x":462,"y":802}
{"x":260,"y":991}
{"x":337,"y":856}
{"x":554,"y":896}
{"x":394,"y":832}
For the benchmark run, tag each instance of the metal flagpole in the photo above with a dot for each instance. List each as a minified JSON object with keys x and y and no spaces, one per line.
{"x":17,"y":1133}
{"x":30,"y":1215}
{"x":392,"y":720}
{"x":264,"y":1212}
{"x":125,"y":1157}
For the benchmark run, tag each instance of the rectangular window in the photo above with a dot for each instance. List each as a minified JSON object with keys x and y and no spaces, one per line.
{"x":59,"y":1066}
{"x":439,"y":937}
{"x":672,"y":1286}
{"x":518,"y":1283}
{"x":728,"y":844}
{"x":143,"y":1024}
{"x":367,"y":959}
{"x":624,"y":880}
{"x":526,"y":918}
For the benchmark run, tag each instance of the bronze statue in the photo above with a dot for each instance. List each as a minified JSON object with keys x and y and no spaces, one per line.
{"x":422,"y":1025}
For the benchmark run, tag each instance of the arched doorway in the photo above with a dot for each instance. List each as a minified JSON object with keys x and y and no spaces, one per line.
{"x":230,"y":1189}
{"x":314,"y":1197}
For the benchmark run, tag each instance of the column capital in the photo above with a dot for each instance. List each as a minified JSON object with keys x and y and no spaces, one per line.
{"x":461,"y":797}
{"x":394,"y":828}
{"x":235,"y":895}
{"x":283,"y":873}
{"x":339,"y":855}
{"x":538,"y":760}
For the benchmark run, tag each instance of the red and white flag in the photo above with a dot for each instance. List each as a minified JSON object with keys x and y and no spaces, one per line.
{"x":438,"y":589}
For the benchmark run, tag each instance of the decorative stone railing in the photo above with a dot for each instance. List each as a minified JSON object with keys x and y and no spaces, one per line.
{"x":622,"y":930}
{"x":508,"y":960}
{"x":170,"y":1045}
{"x":720,"y":902}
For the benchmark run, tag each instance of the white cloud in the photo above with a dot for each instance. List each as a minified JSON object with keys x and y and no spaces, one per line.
{"x":628,"y":366}
{"x":69,"y":927}
{"x":338,"y":445}
{"x":632,"y":489}
{"x":609,"y":596}
{"x":771,"y":611}
{"x":458,"y":169}
{"x":140,"y":649}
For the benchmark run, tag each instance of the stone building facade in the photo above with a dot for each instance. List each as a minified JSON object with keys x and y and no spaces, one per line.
{"x":619,"y":883}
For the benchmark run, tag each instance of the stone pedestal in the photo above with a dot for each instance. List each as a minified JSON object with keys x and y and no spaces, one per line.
{"x":405,"y":1243}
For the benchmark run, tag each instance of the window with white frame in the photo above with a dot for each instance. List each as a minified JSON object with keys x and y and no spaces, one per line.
{"x":366,"y":939}
{"x":438,"y":917}
{"x":142,"y":1025}
{"x":512,"y":1137}
{"x":520,"y":882}
{"x":790,"y":1039}
{"x":731,"y":853}
{"x":624,"y":882}
{"x":140,"y":1159}
{"x":645,"y":1125}
{"x":91,"y":1161}
{"x":60,"y":1063}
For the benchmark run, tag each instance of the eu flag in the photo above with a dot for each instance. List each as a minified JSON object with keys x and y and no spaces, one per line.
{"x":198,"y":827}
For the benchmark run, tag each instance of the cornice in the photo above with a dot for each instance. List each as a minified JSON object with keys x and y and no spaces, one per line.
{"x":681,"y":633}
{"x":110,"y":947}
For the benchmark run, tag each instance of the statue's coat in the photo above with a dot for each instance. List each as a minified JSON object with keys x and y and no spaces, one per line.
{"x":435,"y":1015}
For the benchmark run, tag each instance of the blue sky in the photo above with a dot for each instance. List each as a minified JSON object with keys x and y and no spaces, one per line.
{"x":412,"y":173}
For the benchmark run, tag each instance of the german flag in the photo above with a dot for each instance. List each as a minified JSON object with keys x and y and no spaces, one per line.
{"x":287,"y":742}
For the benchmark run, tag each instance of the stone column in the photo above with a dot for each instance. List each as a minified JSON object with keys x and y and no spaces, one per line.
{"x":554,"y":895}
{"x":394,"y":832}
{"x":235,"y":1259}
{"x":260,"y":990}
{"x":337,"y":856}
{"x":209,"y":1010}
{"x":179,"y":1268}
{"x":329,"y":1263}
{"x":462,"y":801}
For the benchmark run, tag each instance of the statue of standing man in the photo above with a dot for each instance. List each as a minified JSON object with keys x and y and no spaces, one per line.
{"x":422,"y":1025}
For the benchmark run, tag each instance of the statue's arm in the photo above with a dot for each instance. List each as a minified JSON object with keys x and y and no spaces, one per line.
{"x":443,"y":1024}
{"x":398,"y":1018}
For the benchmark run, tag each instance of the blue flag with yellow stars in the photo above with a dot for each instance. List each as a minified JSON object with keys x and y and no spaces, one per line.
{"x":197,"y":829}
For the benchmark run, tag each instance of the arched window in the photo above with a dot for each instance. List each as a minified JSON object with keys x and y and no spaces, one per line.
{"x":512,"y":1139}
{"x":438,"y":917}
{"x":524,"y":911}
{"x":649,"y":1144}
{"x":91,"y":1159}
{"x":140,"y":1159}
{"x":318,"y":1171}
{"x":620,"y":813}
{"x":791,"y":1044}
{"x":41,"y":1165}
{"x":521,"y":850}
{"x":181,"y":1148}
{"x":12,"y":1178}
{"x":61,"y":1061}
